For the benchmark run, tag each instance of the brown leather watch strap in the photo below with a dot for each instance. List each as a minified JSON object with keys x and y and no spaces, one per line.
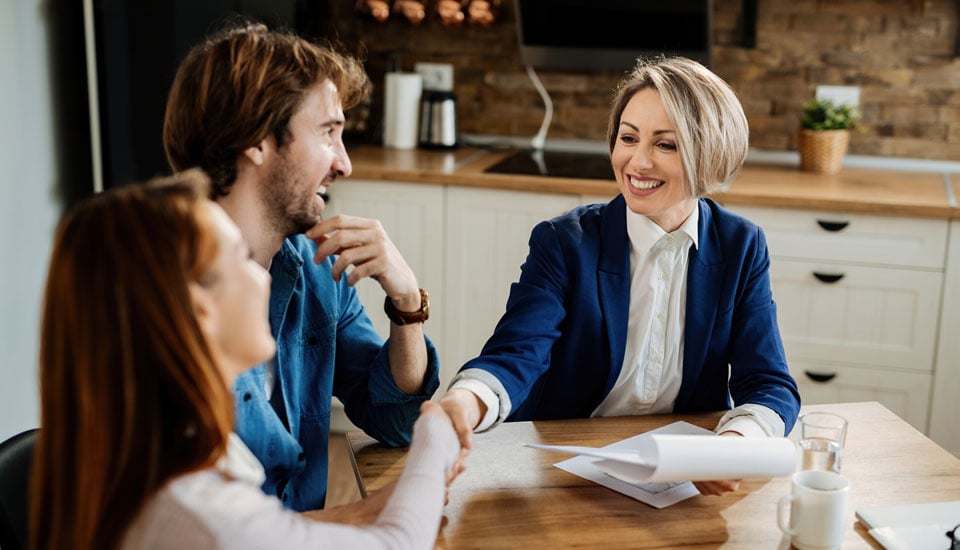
{"x":402,"y":318}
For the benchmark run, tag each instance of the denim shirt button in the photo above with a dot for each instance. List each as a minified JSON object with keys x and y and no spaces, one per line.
{"x":247,"y":397}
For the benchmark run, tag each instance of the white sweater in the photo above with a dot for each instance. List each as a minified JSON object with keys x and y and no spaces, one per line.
{"x":223,"y":507}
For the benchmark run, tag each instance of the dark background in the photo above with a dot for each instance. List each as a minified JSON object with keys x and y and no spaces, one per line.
{"x":139,"y":46}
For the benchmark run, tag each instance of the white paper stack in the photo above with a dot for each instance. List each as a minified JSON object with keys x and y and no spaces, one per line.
{"x":657,"y":467}
{"x":911,"y":526}
{"x":401,"y":109}
{"x":671,"y":457}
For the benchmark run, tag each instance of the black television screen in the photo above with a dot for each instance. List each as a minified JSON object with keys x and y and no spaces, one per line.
{"x":611,"y":34}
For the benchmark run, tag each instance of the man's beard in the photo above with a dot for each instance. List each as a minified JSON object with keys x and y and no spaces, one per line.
{"x":290,"y":211}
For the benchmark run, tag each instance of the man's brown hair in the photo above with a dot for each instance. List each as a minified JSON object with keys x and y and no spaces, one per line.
{"x":241,"y":85}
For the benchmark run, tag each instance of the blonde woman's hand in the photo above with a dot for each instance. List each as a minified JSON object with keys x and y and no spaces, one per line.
{"x":720,"y":487}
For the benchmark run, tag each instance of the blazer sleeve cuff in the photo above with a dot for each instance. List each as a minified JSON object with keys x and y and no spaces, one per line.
{"x":752,"y":420}
{"x":500,"y":404}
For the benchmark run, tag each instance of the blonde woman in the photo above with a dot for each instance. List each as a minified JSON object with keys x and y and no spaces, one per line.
{"x":656,"y":302}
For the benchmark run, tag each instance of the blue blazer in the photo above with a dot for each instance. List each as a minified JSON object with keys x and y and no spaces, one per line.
{"x":559,"y":347}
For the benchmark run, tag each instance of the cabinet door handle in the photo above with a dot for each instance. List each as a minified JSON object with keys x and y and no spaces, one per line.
{"x":820,"y":376}
{"x":828,"y":277}
{"x":832,"y":226}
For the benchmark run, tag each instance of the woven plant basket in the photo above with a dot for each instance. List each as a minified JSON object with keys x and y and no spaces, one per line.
{"x":822,"y":151}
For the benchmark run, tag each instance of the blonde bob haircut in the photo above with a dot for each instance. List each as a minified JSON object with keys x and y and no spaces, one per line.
{"x":712,"y":131}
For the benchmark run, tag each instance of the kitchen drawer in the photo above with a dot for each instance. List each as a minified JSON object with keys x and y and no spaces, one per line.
{"x":869,"y":315}
{"x":905,"y":393}
{"x":860,"y":238}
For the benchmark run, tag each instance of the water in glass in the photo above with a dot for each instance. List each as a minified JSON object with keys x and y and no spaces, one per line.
{"x":820,"y":454}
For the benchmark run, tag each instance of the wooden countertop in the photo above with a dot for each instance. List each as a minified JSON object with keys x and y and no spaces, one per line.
{"x":856,"y":190}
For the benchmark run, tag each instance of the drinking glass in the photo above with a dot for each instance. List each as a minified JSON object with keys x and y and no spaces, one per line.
{"x":822,"y":436}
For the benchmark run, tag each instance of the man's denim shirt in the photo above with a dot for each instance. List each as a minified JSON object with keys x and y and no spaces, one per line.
{"x":326,"y":345}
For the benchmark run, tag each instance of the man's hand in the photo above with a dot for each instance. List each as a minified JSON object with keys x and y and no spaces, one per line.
{"x":363,"y":244}
{"x":465,"y":411}
{"x":719,"y":488}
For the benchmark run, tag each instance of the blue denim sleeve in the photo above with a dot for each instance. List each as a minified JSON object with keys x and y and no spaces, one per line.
{"x":362,"y":378}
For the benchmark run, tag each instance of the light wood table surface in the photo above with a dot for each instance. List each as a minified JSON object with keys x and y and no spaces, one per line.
{"x":512,"y":496}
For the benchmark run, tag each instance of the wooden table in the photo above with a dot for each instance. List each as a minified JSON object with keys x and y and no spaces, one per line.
{"x":512,"y":496}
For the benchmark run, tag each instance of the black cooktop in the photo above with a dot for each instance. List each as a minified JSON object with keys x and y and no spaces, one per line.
{"x":558,"y":164}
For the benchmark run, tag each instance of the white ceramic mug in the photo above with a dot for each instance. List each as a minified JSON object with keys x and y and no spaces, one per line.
{"x":818,"y":509}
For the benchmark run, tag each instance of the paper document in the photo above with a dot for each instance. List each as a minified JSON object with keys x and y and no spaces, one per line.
{"x":921,"y":537}
{"x":911,"y":526}
{"x":656,"y":467}
{"x":627,"y":457}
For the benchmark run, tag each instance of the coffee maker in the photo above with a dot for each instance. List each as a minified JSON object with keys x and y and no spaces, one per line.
{"x":438,"y":119}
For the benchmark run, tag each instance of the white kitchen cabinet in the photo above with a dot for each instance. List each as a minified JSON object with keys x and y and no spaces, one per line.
{"x":852,"y":238}
{"x":870,"y":315}
{"x":907,"y":394}
{"x":487,"y":242}
{"x":945,"y":408}
{"x":597,"y":199}
{"x":412,"y":216}
{"x":858,"y":304}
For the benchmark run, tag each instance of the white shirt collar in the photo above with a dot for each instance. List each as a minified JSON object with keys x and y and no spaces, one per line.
{"x":644,"y":233}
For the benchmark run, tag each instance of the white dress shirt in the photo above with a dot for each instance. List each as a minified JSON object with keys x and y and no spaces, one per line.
{"x":652,"y":370}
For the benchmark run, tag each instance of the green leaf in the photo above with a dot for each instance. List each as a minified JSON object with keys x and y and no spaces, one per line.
{"x":822,"y":114}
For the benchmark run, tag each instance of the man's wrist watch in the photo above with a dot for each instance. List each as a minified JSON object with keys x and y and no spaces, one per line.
{"x":402,"y":318}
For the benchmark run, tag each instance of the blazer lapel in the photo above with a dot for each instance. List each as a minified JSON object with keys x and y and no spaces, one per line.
{"x":613,"y":278}
{"x":704,"y":284}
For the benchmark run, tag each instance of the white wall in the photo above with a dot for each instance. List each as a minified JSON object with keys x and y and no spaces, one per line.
{"x":28,"y":207}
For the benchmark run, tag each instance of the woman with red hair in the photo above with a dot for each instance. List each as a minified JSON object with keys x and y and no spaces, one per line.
{"x":153,"y":307}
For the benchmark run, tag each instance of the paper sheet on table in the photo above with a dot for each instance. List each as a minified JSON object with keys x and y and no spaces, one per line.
{"x":921,"y":537}
{"x":656,"y":467}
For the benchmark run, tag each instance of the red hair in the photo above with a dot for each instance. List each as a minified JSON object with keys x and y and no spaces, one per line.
{"x":130,"y":393}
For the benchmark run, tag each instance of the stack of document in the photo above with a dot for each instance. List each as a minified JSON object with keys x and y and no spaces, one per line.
{"x":911,"y":526}
{"x":657,"y":467}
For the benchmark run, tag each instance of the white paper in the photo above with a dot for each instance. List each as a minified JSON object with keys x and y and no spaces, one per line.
{"x":656,"y":467}
{"x":920,"y":537}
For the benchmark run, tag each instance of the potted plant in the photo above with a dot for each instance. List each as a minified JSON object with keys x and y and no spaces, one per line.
{"x":825,"y":135}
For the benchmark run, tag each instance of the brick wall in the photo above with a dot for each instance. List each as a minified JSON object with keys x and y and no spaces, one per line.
{"x":899,"y":52}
